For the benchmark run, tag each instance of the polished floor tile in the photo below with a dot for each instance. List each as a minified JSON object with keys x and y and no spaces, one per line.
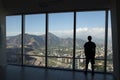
{"x":31,"y":73}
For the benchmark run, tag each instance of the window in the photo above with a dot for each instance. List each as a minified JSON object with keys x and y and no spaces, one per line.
{"x":90,"y":23}
{"x":34,"y":40}
{"x":60,"y":40}
{"x":13,"y":39}
{"x":57,"y":39}
{"x":109,"y":47}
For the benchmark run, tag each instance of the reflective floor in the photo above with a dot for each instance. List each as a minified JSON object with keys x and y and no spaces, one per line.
{"x":31,"y":73}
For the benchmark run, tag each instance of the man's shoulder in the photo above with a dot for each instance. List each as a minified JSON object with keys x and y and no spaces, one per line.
{"x":86,"y":43}
{"x":93,"y":43}
{"x":89,"y":43}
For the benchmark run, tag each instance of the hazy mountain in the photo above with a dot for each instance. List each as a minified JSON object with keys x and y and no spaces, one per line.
{"x":34,"y":41}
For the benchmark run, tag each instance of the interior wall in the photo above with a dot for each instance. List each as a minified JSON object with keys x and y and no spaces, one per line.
{"x":2,"y":35}
{"x":115,"y":18}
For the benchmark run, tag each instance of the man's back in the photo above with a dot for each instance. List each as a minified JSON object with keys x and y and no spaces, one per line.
{"x":89,"y":49}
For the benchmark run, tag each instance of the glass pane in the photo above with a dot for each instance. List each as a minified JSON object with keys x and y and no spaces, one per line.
{"x":13,"y":39}
{"x":93,"y":24}
{"x":60,"y":36}
{"x":99,"y":65}
{"x":109,"y":65}
{"x":80,"y":64}
{"x":109,"y":50}
{"x":60,"y":62}
{"x":34,"y":38}
{"x":34,"y":60}
{"x":14,"y":59}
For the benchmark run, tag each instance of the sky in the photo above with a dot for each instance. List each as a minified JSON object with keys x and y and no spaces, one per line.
{"x":61,"y":24}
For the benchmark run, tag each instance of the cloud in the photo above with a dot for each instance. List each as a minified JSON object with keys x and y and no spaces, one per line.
{"x":81,"y":29}
{"x":98,"y":32}
{"x":12,"y":33}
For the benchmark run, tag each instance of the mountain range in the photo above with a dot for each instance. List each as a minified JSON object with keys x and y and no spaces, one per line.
{"x":35,"y":41}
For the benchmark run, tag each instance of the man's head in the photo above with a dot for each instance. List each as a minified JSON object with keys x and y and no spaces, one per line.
{"x":89,"y":38}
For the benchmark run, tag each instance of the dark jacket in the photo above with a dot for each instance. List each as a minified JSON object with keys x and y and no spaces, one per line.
{"x":89,"y":49}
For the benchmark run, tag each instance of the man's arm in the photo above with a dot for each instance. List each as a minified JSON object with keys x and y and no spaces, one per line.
{"x":94,"y":49}
{"x":85,"y":49}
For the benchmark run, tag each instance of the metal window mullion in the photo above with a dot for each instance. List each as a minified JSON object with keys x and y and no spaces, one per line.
{"x":46,"y":41}
{"x":106,"y":39}
{"x":74,"y":40}
{"x":22,"y":38}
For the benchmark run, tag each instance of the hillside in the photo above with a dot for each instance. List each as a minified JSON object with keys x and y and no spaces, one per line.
{"x":34,"y":41}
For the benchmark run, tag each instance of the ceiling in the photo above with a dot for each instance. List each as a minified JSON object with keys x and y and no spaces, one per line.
{"x":39,"y":6}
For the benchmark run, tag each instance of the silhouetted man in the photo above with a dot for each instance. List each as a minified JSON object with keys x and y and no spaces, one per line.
{"x":89,"y":49}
